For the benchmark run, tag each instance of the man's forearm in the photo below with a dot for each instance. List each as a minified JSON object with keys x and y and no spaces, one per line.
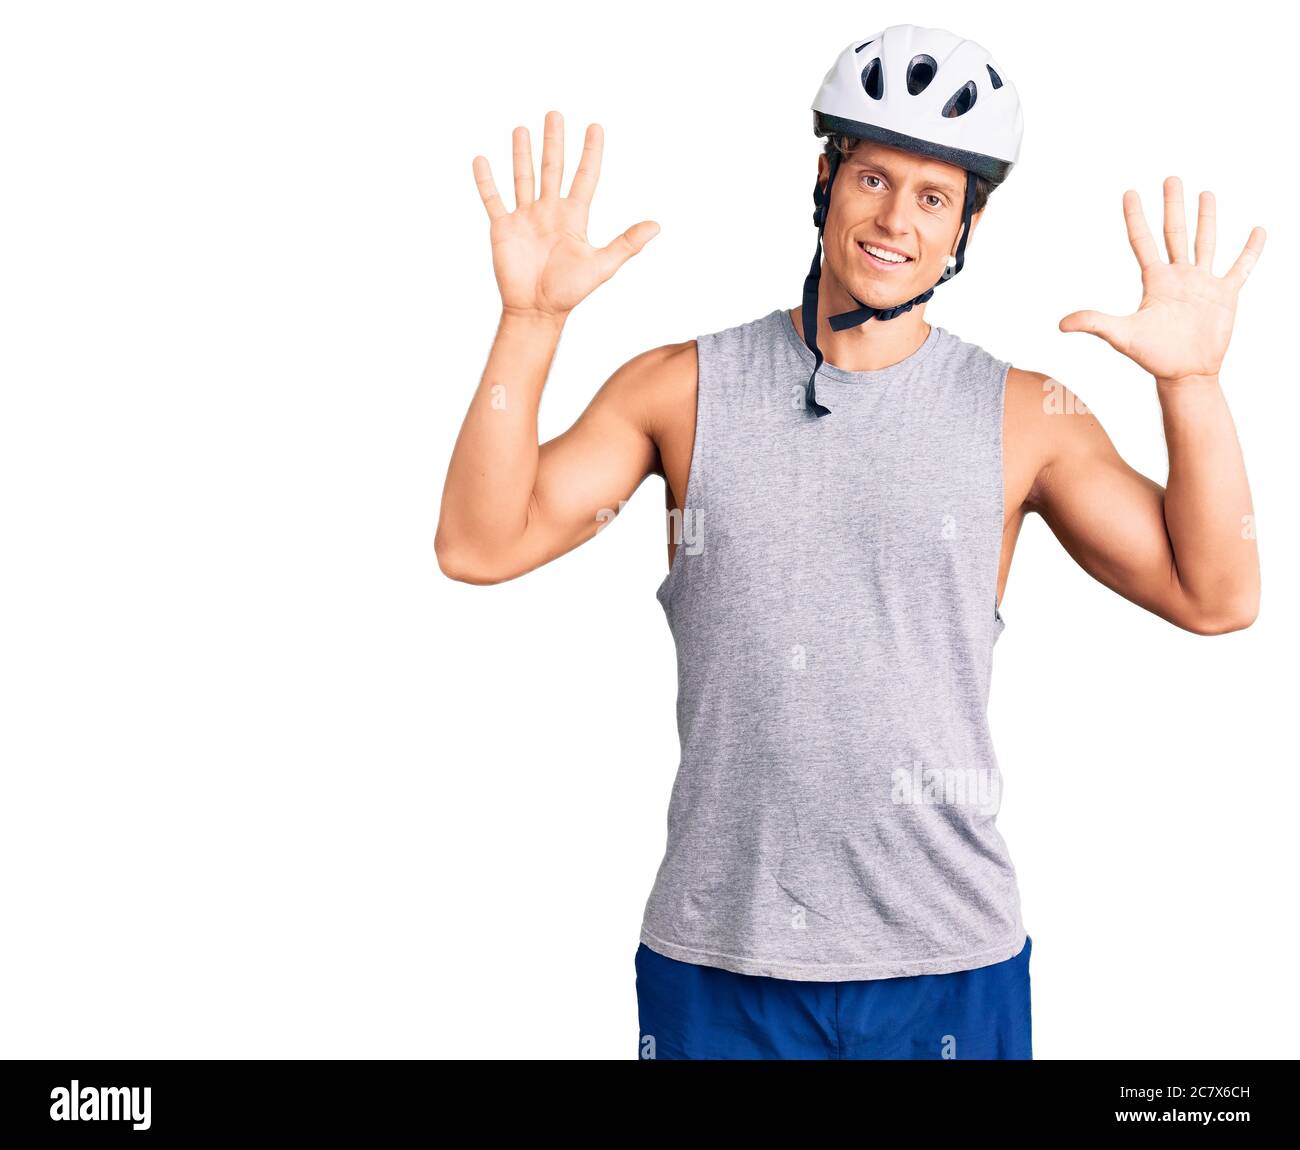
{"x":1207,"y":503}
{"x":493,"y":468}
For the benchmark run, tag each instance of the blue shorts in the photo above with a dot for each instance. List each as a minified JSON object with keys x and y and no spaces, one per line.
{"x":688,"y":1010}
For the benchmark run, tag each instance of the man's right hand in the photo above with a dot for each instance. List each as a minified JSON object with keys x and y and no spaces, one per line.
{"x":544,"y":265}
{"x":510,"y":504}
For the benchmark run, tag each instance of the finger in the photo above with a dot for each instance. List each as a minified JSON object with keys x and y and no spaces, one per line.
{"x":617,"y":252}
{"x":552,"y":154}
{"x":584,"y":182}
{"x":1175,"y":221}
{"x":487,"y":189}
{"x":523,"y":167}
{"x":1205,"y":237}
{"x":1111,"y":328}
{"x":1139,"y":235}
{"x":1246,"y":261}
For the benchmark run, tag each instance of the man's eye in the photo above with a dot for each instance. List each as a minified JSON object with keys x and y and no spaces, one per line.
{"x":938,"y":200}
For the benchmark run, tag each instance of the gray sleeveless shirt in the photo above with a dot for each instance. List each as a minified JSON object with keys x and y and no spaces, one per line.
{"x":833,"y":599}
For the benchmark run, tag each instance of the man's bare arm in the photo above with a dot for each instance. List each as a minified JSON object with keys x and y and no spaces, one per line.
{"x":509,"y":504}
{"x":1184,"y":552}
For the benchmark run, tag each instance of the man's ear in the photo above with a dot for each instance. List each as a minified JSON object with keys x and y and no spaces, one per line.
{"x":823,"y":169}
{"x":974,"y":223}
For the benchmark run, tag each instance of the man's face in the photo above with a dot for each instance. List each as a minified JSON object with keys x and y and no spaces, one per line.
{"x":898,"y":200}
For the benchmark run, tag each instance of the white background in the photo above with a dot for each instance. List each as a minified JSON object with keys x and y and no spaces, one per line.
{"x":273,"y":786}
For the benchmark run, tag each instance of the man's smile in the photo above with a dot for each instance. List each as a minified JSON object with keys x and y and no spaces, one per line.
{"x":887,"y":259}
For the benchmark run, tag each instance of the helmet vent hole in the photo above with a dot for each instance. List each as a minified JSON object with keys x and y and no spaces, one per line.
{"x":864,"y":44}
{"x":961,"y":100}
{"x":997,"y":80}
{"x":919,"y":74}
{"x":873,"y":79}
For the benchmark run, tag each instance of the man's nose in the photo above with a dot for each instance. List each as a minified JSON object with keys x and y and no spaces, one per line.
{"x":893,"y":215}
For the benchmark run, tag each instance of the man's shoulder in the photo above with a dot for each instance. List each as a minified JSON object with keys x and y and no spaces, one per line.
{"x":654,"y":386}
{"x":1041,"y":393}
{"x":1033,"y":402}
{"x":1021,"y":381}
{"x":670,"y":365}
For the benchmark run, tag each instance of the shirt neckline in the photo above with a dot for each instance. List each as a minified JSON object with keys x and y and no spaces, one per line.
{"x":880,"y":375}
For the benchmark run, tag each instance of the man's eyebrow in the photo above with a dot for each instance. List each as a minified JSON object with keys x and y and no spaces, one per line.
{"x":932,"y":181}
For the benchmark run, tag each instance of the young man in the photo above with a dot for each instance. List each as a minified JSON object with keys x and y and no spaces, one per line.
{"x":844,"y":498}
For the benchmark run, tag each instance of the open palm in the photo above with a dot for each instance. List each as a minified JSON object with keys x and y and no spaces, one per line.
{"x":540,"y":254}
{"x":1182,"y":326}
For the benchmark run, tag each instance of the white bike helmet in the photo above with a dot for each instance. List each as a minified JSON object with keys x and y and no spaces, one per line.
{"x":923,"y":90}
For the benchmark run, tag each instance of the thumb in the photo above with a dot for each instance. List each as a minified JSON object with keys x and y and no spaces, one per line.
{"x":622,"y":248}
{"x":1097,"y":323}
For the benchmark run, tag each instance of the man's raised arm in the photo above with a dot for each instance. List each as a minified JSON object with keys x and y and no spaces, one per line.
{"x":508,"y":504}
{"x":1187,"y":551}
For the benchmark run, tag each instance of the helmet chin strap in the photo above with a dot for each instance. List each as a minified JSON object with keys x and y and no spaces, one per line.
{"x":864,"y":312}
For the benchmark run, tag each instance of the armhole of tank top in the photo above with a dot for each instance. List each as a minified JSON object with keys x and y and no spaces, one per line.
{"x":1002,"y":370}
{"x":691,"y":496}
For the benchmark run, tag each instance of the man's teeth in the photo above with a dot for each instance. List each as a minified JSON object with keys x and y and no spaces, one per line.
{"x":889,"y":257}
